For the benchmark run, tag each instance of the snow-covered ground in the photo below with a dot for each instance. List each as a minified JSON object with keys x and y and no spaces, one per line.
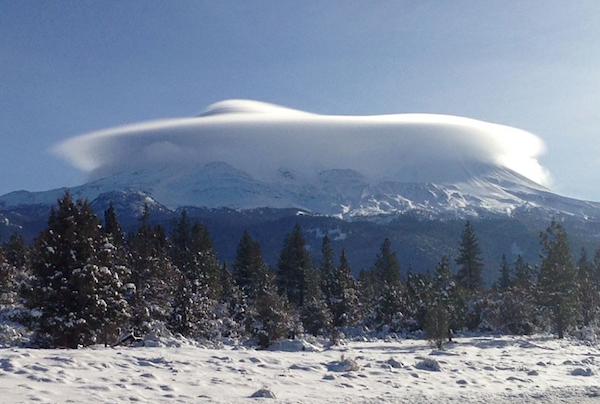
{"x":480,"y":369}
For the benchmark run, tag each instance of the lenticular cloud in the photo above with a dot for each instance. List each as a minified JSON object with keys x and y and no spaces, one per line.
{"x":261,"y":138}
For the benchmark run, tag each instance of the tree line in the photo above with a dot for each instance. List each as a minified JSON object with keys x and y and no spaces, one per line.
{"x":83,"y":281}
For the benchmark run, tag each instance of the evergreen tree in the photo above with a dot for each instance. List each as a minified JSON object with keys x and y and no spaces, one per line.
{"x":249,"y":267}
{"x":517,"y":309}
{"x":589,"y":295}
{"x":6,"y":280}
{"x":232,"y":311}
{"x":437,"y":324}
{"x":294,"y":264}
{"x":368,"y":292}
{"x":315,"y":314}
{"x":272,"y":318}
{"x":16,"y":252}
{"x":420,"y":291}
{"x":504,"y":281}
{"x":386,"y":269}
{"x":78,"y":297}
{"x":386,"y":277}
{"x":524,"y":275}
{"x":111,"y":274}
{"x":15,"y":269}
{"x":327,"y":267}
{"x":154,"y":278}
{"x":206,"y":265}
{"x":447,"y":299}
{"x":112,"y":227}
{"x":469,"y":261}
{"x":342,"y":294}
{"x":193,"y":253}
{"x":557,"y":285}
{"x":268,"y":317}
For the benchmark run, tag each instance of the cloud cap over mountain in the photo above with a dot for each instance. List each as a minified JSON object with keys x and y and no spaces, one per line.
{"x":261,"y":138}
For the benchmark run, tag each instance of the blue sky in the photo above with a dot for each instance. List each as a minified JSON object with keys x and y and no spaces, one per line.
{"x":71,"y":67}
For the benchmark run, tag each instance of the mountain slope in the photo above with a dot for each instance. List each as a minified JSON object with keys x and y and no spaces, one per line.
{"x":480,"y":189}
{"x":423,"y":220}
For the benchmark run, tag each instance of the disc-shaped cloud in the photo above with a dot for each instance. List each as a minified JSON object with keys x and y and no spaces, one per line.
{"x":261,"y":138}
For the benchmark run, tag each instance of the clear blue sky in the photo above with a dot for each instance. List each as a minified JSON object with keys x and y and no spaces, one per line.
{"x":70,"y":67}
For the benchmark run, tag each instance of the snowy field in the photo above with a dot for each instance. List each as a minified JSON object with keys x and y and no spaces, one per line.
{"x":472,"y":370}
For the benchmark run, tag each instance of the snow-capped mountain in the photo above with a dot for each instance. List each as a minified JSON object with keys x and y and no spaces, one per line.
{"x":243,"y":165}
{"x":244,"y":154}
{"x":481,"y":189}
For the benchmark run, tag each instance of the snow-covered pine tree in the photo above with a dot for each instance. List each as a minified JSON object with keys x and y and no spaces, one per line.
{"x":17,"y":259}
{"x":112,"y":227}
{"x":315,"y":314}
{"x":293,"y":265}
{"x":154,"y":278}
{"x":343,"y":294}
{"x":447,"y":296}
{"x":386,"y":269}
{"x":557,"y":284}
{"x":519,"y":306}
{"x":388,"y":288}
{"x":419,"y":295}
{"x":16,"y":251}
{"x":273,"y":319}
{"x":268,"y":316}
{"x":6,"y":280}
{"x":327,"y":268}
{"x":196,"y":306}
{"x":232,"y":311}
{"x":368,"y":294}
{"x":469,"y":260}
{"x":249,"y":268}
{"x":589,"y":295}
{"x":72,"y":290}
{"x":205,"y":265}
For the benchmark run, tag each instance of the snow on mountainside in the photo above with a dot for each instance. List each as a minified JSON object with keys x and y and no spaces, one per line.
{"x":480,"y":189}
{"x":244,"y":154}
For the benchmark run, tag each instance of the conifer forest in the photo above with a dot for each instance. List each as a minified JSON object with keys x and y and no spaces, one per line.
{"x":82,"y":282}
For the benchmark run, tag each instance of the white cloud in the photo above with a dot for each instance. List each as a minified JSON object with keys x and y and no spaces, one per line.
{"x":260,"y":138}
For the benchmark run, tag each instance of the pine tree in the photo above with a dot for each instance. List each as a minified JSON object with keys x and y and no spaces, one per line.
{"x":343,"y":294}
{"x":420,"y":290}
{"x":437,"y":324}
{"x":315,"y":314}
{"x":388,"y":288}
{"x":272,"y":318}
{"x":200,"y":285}
{"x":16,"y":252}
{"x":6,"y":280}
{"x":112,"y":227}
{"x":517,"y":309}
{"x":232,"y":311}
{"x":524,"y":275}
{"x":589,"y":295}
{"x":447,"y":300}
{"x":469,"y":259}
{"x":327,"y":267}
{"x":206,"y":265}
{"x":73,"y":289}
{"x":249,"y":267}
{"x":386,"y":269}
{"x":504,"y":280}
{"x":294,"y":263}
{"x":16,"y":269}
{"x":557,"y":284}
{"x":154,"y":278}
